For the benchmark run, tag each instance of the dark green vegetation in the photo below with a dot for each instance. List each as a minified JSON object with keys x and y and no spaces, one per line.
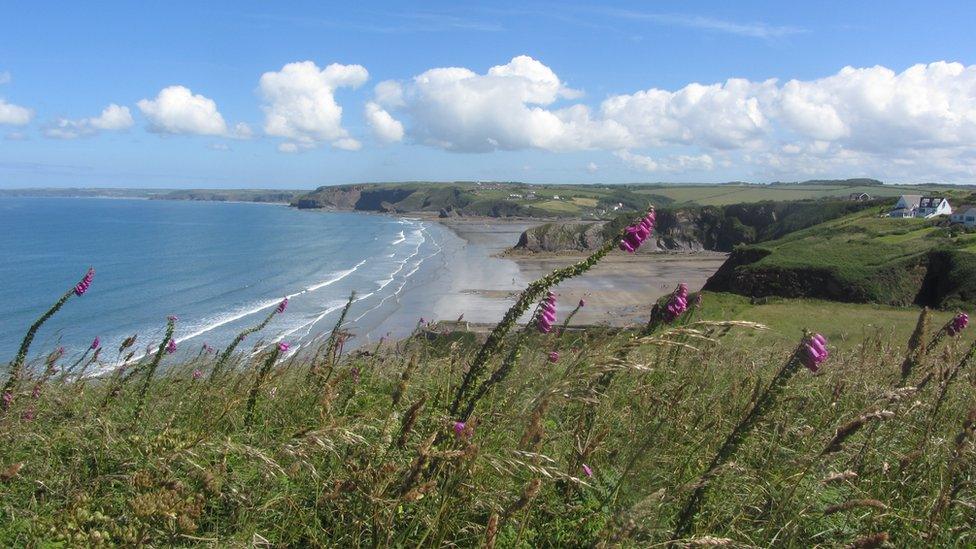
{"x":695,"y":228}
{"x":360,"y":452}
{"x":860,"y":258}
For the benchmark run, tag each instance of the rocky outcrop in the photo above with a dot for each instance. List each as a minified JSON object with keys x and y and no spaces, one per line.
{"x":561,"y":237}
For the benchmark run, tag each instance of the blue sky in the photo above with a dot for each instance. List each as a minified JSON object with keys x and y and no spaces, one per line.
{"x":170,"y":94}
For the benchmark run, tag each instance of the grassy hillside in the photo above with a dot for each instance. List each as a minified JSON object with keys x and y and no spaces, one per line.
{"x":734,"y":193}
{"x":583,"y":201}
{"x":860,"y":258}
{"x":489,"y":199}
{"x":604,"y":445}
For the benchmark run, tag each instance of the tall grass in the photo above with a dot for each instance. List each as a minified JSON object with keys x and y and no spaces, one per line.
{"x":373,"y":453}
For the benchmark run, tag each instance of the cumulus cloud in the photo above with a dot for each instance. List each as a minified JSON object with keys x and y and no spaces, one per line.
{"x":14,"y":115}
{"x":113,"y":117}
{"x":300,"y":104}
{"x":386,"y":128}
{"x":592,"y":167}
{"x":177,"y":110}
{"x":872,"y":119}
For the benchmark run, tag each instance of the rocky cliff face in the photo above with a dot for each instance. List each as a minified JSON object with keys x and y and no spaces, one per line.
{"x":559,"y":237}
{"x":705,"y":228}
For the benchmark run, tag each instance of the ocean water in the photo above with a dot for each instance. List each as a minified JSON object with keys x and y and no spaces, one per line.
{"x":220,"y":267}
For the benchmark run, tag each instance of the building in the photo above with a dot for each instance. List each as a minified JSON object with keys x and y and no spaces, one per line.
{"x":965,"y":215}
{"x":906,"y":206}
{"x":932,"y":206}
{"x":859,"y":197}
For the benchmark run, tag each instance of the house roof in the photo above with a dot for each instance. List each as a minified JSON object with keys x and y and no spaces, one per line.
{"x":911,"y":198}
{"x":931,"y":201}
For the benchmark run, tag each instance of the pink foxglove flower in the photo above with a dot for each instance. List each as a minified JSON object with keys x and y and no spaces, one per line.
{"x":547,"y":314}
{"x":459,"y":428}
{"x":814,"y":352}
{"x":636,"y":234}
{"x":959,"y":323}
{"x":172,"y":318}
{"x":582,"y":303}
{"x":678,"y":303}
{"x":554,"y":357}
{"x":282,"y":306}
{"x":283,"y":347}
{"x":587,"y":470}
{"x":207,"y":348}
{"x":197,"y":374}
{"x":85,"y":282}
{"x":95,"y":344}
{"x":171,"y":347}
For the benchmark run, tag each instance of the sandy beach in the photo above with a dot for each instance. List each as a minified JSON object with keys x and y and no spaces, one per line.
{"x":620,"y":290}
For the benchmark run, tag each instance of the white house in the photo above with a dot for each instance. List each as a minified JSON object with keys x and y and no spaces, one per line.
{"x":906,"y":206}
{"x":933,"y":206}
{"x":965,"y":215}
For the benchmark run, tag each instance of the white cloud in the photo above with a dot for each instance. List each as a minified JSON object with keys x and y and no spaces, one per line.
{"x":177,"y":110}
{"x":871,"y":120}
{"x":674,"y":163}
{"x":592,"y":167}
{"x":300,"y":104}
{"x":113,"y":117}
{"x":14,"y":115}
{"x":386,"y":128}
{"x":4,"y":77}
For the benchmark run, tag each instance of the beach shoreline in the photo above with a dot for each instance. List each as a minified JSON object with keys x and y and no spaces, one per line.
{"x":619,"y":291}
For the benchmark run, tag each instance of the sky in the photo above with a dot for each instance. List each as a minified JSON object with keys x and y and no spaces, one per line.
{"x":301,"y":94}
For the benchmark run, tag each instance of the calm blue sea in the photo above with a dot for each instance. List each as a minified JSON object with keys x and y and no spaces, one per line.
{"x":219,"y":267}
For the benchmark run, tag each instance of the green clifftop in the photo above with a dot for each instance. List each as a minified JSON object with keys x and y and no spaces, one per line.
{"x":860,"y":258}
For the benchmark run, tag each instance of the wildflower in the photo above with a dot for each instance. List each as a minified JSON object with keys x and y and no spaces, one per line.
{"x":172,"y":318}
{"x":282,"y":306}
{"x":582,"y":303}
{"x":85,"y":282}
{"x":8,"y":397}
{"x":354,"y":372}
{"x":814,"y":352}
{"x":95,"y":344}
{"x":636,"y":234}
{"x":678,"y":303}
{"x":283,"y":347}
{"x":547,"y":314}
{"x":959,"y":323}
{"x":587,"y":470}
{"x":197,"y":374}
{"x":459,"y":427}
{"x":207,"y":348}
{"x":554,"y":357}
{"x":29,"y":413}
{"x":171,"y":347}
{"x":36,"y":392}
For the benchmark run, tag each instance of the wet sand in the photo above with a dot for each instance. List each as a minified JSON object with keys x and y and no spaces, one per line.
{"x":619,"y":291}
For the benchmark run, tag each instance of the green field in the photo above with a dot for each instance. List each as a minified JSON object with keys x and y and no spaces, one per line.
{"x":721,"y":195}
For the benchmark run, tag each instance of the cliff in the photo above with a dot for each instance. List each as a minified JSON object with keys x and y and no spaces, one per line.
{"x":708,"y":228}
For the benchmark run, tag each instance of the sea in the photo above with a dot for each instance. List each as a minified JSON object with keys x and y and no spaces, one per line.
{"x":219,"y":267}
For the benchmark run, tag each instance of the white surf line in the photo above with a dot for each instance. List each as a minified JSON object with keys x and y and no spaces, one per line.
{"x":403,"y":283}
{"x":400,"y":239}
{"x":265,"y":305}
